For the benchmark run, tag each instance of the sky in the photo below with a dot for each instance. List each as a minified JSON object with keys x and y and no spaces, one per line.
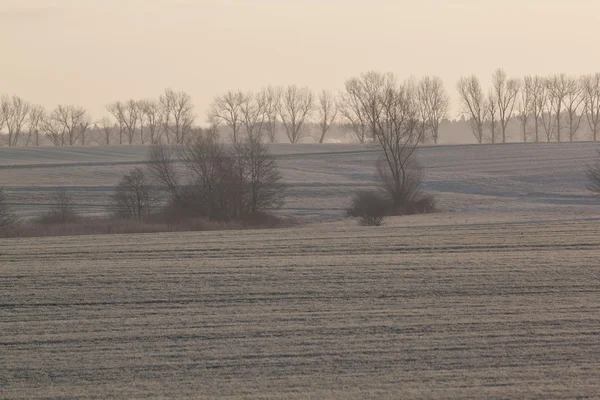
{"x":93,"y":52}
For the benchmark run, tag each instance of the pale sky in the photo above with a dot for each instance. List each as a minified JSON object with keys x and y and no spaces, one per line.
{"x":93,"y":52}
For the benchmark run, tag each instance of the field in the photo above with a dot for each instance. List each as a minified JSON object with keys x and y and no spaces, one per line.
{"x":515,"y":181}
{"x":464,"y":311}
{"x":496,"y":296}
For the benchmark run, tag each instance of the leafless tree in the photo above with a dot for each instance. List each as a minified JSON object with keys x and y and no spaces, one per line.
{"x":134,"y":197}
{"x":473,"y":104}
{"x":35,"y":121}
{"x":547,"y":114}
{"x":591,"y":96}
{"x":151,"y":112}
{"x":505,"y":93}
{"x":178,"y":116}
{"x":328,"y":112}
{"x":391,"y":113}
{"x":558,"y":88}
{"x":161,"y":164}
{"x":215,"y":190}
{"x":434,"y":102}
{"x":260,"y":176}
{"x":351,"y":110}
{"x":295,"y":109}
{"x":492,"y":114}
{"x":63,"y":210}
{"x":525,"y":105}
{"x":228,"y":109}
{"x":15,"y":112}
{"x":131,"y":119}
{"x":106,"y":129}
{"x":269,"y":99}
{"x":252,"y":115}
{"x":118,"y":111}
{"x":538,"y":100}
{"x":66,"y":125}
{"x":574,"y":105}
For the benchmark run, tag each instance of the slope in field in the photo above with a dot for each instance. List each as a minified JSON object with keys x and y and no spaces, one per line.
{"x":541,"y":180}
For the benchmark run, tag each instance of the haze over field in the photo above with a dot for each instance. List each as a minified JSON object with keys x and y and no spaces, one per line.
{"x":299,"y":199}
{"x":90,"y":52}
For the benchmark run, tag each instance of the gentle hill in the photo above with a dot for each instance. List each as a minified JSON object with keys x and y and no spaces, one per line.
{"x":533,"y":181}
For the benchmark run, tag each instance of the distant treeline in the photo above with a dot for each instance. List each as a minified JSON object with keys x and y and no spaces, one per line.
{"x":529,"y":109}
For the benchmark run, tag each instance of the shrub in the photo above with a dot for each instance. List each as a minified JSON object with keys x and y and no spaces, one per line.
{"x":134,"y":196}
{"x":370,"y":207}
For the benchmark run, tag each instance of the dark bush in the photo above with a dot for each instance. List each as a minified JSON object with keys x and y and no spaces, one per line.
{"x":370,"y":207}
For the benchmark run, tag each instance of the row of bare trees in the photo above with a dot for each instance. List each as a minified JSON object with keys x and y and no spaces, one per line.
{"x":24,"y":123}
{"x":547,"y":108}
{"x":292,"y":107}
{"x":169,"y":119}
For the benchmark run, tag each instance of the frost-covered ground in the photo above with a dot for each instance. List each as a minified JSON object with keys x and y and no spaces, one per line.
{"x":514,"y":181}
{"x":477,"y":311}
{"x":494,"y":297}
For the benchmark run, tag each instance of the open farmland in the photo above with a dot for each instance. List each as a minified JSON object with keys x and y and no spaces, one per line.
{"x":332,"y":310}
{"x":518,"y":181}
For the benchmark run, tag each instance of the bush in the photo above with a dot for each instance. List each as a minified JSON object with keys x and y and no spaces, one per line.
{"x":370,"y":207}
{"x":134,"y":196}
{"x":226,"y":183}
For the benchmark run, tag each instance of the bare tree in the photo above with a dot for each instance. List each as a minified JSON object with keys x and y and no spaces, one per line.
{"x":473,"y":104}
{"x":525,"y":105}
{"x":327,"y":112}
{"x":505,"y":91}
{"x":16,"y":112}
{"x":391,"y":113}
{"x":216,"y":190}
{"x":351,"y":109}
{"x":252,"y":115}
{"x":178,"y":117}
{"x":434,"y":104}
{"x":161,"y":164}
{"x":268,"y":100}
{"x":260,"y":176}
{"x":151,"y":112}
{"x":66,"y":125}
{"x":228,"y":109}
{"x":63,"y":210}
{"x":35,"y":121}
{"x":492,"y":114}
{"x":134,"y":197}
{"x":547,"y":114}
{"x":558,"y":87}
{"x":538,"y":100}
{"x":591,"y":96}
{"x":117,"y":110}
{"x":574,"y":105}
{"x":106,"y":129}
{"x":295,"y":109}
{"x":130,"y":115}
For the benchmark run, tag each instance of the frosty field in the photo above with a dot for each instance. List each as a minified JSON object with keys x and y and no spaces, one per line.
{"x":495,"y":296}
{"x":514,"y":181}
{"x":328,"y":311}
